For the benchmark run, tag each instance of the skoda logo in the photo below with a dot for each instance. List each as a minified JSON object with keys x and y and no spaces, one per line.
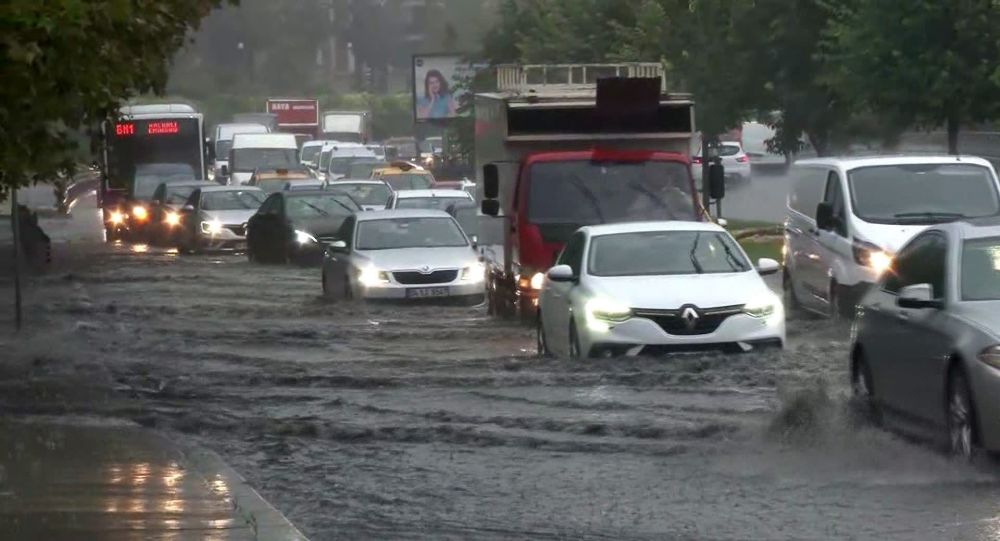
{"x":425,"y":270}
{"x":690,"y":316}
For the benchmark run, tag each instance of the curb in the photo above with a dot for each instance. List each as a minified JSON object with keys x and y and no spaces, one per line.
{"x":268,"y":523}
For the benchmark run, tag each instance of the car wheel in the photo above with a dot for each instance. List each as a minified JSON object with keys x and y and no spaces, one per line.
{"x":961,"y":417}
{"x":326,"y":285}
{"x":575,"y":351}
{"x":542,"y":342}
{"x":788,"y":288}
{"x":863,"y":393}
{"x":836,"y":307}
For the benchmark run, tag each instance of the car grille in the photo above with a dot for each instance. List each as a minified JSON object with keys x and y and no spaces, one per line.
{"x":674,"y":321}
{"x":419,"y":278}
{"x":240,"y":230}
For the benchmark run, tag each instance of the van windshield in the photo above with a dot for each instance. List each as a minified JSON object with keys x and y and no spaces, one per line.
{"x":923,"y":193}
{"x":247,"y":160}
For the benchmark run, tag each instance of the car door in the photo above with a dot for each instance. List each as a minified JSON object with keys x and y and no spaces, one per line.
{"x":802,"y":249}
{"x":834,"y":245}
{"x":191,"y":220}
{"x":923,"y":346}
{"x":338,"y":264}
{"x":556,"y":295}
{"x":883,"y":329}
{"x":261,"y":225}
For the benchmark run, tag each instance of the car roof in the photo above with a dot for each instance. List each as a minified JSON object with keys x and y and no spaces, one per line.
{"x":648,"y":227}
{"x":854,"y":162}
{"x":357,"y":181}
{"x":264,"y":140}
{"x":230,"y":188}
{"x":412,"y":194}
{"x":187,"y":184}
{"x":402,"y":213}
{"x":315,"y":192}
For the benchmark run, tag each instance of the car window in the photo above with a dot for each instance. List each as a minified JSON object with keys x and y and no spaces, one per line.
{"x":271,"y":205}
{"x":572,"y":254}
{"x":729,"y":150}
{"x":923,"y":261}
{"x":232,"y":200}
{"x":317,"y":206}
{"x":981,"y":269}
{"x":807,"y":189}
{"x":835,"y":197}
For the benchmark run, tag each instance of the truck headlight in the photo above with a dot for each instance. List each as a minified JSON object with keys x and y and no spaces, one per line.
{"x":172,"y":219}
{"x":475,"y":272}
{"x":212,"y":227}
{"x":303,"y":238}
{"x":371,"y":277}
{"x":763,"y":307}
{"x":537,"y":280}
{"x":601,"y":311}
{"x":991,"y":356}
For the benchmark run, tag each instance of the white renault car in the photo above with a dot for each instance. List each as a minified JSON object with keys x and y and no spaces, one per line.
{"x":656,"y":287}
{"x":403,"y":254}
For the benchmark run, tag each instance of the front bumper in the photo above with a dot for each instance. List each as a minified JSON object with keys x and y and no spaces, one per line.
{"x":226,"y":239}
{"x":637,"y":335}
{"x":393,"y":291}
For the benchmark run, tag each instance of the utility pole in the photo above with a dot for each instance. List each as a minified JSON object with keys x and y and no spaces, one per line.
{"x":15,"y":224}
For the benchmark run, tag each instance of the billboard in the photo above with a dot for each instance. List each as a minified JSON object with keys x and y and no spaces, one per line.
{"x":294,"y":112}
{"x":435,"y":77}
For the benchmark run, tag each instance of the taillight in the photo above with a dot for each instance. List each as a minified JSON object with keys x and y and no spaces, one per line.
{"x":696,"y":160}
{"x":742,"y":159}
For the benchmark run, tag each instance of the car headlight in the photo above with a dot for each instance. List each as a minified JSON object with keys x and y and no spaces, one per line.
{"x":604,"y":309}
{"x":116,"y":217}
{"x":763,"y":307}
{"x":371,"y":277}
{"x":172,"y":219}
{"x":475,"y":272}
{"x":302,"y":237}
{"x":537,"y":280}
{"x":213,"y":227}
{"x":140,"y":213}
{"x":871,"y":256}
{"x":991,"y":356}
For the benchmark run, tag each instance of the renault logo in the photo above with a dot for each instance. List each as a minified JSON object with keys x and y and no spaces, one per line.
{"x":690,"y":316}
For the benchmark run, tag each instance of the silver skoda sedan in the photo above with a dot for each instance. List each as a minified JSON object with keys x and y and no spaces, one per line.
{"x":926,"y":341}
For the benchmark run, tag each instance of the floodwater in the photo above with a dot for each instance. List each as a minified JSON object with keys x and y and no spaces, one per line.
{"x":417,"y":422}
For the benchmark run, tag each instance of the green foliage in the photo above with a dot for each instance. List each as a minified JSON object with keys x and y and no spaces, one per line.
{"x":65,"y":65}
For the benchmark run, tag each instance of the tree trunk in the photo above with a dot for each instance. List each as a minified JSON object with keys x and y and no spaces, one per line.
{"x":952,"y":134}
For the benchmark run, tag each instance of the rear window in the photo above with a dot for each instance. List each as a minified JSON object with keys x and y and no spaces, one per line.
{"x":409,"y":181}
{"x":729,"y":150}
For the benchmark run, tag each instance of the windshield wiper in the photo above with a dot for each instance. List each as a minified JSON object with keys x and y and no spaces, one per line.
{"x":694,"y":259}
{"x":734,"y":262}
{"x":929,"y":214}
{"x":319,"y":210}
{"x":646,"y":191}
{"x":589,"y":194}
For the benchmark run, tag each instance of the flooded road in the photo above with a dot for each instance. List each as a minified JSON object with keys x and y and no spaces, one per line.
{"x":403,"y":422}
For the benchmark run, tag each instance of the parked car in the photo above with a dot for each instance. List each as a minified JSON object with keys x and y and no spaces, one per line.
{"x":403,"y":254}
{"x":276,"y":179}
{"x":296,"y":225}
{"x":370,"y":194}
{"x":846,"y":219}
{"x":215,"y":218}
{"x":734,"y":160}
{"x":651,"y":287}
{"x":427,"y":199}
{"x":927,"y":338}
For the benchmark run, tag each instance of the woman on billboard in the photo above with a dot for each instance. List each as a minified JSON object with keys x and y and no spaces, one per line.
{"x":437,"y":101}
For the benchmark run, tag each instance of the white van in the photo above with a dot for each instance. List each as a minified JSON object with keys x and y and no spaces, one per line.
{"x":846,"y":218}
{"x":224,"y":141}
{"x":268,"y":150}
{"x":342,"y":155}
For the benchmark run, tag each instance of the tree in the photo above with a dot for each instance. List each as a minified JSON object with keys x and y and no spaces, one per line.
{"x":69,"y":64}
{"x":930,"y":62}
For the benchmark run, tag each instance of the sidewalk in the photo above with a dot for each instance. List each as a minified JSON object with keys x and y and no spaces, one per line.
{"x":92,"y":481}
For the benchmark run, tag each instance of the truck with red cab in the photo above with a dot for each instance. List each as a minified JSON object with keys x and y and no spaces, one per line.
{"x":296,"y":116}
{"x":559,"y":147}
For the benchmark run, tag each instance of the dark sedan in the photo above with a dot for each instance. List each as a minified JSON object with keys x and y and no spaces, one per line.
{"x":296,"y":225}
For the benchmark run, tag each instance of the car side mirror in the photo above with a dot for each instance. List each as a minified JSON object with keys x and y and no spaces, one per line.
{"x":716,"y":181}
{"x":562,"y":273}
{"x":225,"y":170}
{"x":767,"y":266}
{"x":338,"y":247}
{"x":491,"y":181}
{"x":918,"y":297}
{"x":824,"y":216}
{"x":187,"y":208}
{"x":491,"y":207}
{"x":475,"y":240}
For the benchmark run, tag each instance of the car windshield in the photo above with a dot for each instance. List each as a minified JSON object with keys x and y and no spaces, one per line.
{"x":923,"y":193}
{"x":398,"y":233}
{"x":232,"y":200}
{"x":364,"y":169}
{"x":222,"y":149}
{"x":365,"y":194}
{"x":318,"y":206}
{"x":981,"y":269}
{"x":410,"y":181}
{"x":578,"y":193}
{"x":309,"y":153}
{"x":149,"y":176}
{"x":177,"y":195}
{"x":665,"y":252}
{"x":250,"y":159}
{"x":342,"y":165}
{"x":437,"y":203}
{"x":467,"y":217}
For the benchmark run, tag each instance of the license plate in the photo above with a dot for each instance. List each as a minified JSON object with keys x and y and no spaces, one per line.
{"x":426,"y":292}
